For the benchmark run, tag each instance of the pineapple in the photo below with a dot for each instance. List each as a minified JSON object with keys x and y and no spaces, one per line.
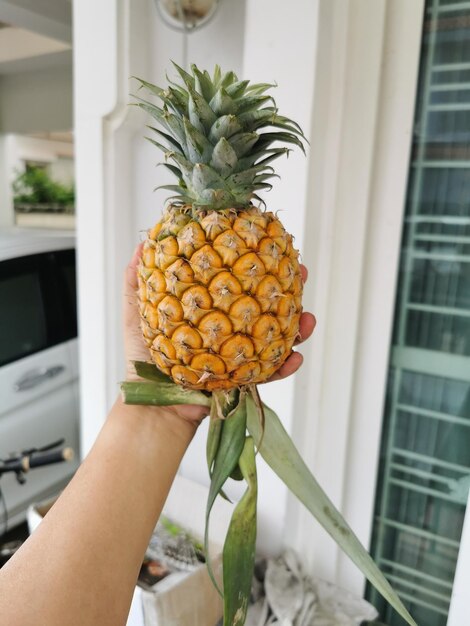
{"x":219,"y":282}
{"x":219,"y":289}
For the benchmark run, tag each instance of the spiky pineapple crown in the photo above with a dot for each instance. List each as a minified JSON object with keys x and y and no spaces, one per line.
{"x":213,"y":133}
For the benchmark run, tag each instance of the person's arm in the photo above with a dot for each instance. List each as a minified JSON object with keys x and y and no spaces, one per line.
{"x":81,"y":565}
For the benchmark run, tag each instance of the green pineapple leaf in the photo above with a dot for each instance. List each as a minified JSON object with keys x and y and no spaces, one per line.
{"x":203,"y":83}
{"x":161,"y":394}
{"x":237,"y":89}
{"x":222,"y":103}
{"x":198,"y":146}
{"x":232,"y":441}
{"x":224,"y":158}
{"x":225,"y":126}
{"x":242,"y":143}
{"x":240,"y":543}
{"x":150,"y":371}
{"x":171,"y":140}
{"x":198,"y":113}
{"x":280,"y":453}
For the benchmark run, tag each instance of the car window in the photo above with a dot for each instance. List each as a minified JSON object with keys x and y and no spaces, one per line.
{"x":23,"y":326}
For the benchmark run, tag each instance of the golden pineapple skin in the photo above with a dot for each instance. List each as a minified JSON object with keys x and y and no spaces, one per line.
{"x":219,"y":296}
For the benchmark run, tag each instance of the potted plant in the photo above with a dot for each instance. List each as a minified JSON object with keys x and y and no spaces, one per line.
{"x":34,"y":190}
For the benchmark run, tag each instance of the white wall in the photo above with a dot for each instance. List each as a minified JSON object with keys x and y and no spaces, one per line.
{"x":47,"y":17}
{"x":36,"y":101}
{"x":116,"y":171}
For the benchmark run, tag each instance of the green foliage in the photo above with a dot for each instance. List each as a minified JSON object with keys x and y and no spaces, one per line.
{"x":212,"y":129}
{"x":34,"y":186}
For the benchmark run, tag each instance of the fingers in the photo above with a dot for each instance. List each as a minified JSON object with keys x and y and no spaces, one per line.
{"x":306,"y":326}
{"x":191,"y":412}
{"x":295,"y":359}
{"x":304,"y":273}
{"x":291,"y":365}
{"x":130,"y":288}
{"x":131,"y":269}
{"x":135,"y":347}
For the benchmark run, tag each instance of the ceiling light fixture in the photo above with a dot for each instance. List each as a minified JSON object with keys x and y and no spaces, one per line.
{"x":186,"y":15}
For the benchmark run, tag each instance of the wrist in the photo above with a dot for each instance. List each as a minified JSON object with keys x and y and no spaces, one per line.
{"x":153,"y":422}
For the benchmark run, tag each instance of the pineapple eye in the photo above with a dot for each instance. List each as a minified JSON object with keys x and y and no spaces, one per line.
{"x":194,"y":302}
{"x":247,"y":315}
{"x":246,"y":373}
{"x":183,"y":375}
{"x":171,"y":309}
{"x":237,"y":347}
{"x":214,"y":330}
{"x":243,"y":311}
{"x":204,"y":262}
{"x":214,"y":224}
{"x":214,"y":327}
{"x":274,"y":352}
{"x":208,"y":365}
{"x":266,"y":328}
{"x":240,"y":354}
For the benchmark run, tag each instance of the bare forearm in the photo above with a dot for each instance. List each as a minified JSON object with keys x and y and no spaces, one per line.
{"x":81,"y":565}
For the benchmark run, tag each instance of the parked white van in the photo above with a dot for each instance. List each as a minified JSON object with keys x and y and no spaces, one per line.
{"x":38,"y":360}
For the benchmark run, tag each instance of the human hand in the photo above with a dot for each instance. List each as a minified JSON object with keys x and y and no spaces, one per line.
{"x":136,"y":350}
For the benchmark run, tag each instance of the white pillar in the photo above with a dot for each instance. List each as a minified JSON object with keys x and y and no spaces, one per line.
{"x":108,"y":41}
{"x":361,"y":43}
{"x":342,"y":141}
{"x":280,"y":47}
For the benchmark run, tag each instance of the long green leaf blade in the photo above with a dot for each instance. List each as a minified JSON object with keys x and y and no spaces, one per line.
{"x":161,"y":394}
{"x":280,"y":453}
{"x":232,"y":441}
{"x":240,"y":544}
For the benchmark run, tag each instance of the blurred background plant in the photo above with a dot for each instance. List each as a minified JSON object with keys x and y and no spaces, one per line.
{"x":34,"y":189}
